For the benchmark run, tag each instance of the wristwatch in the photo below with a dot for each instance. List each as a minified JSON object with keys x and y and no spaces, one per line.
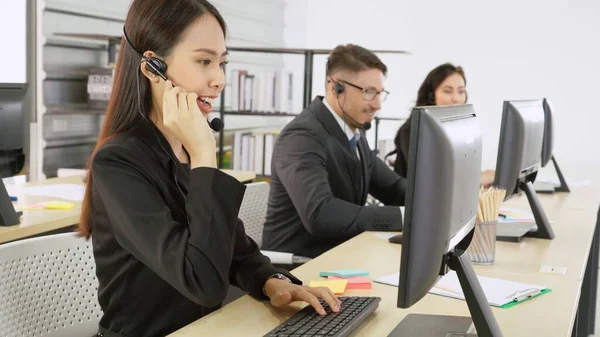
{"x":279,"y":276}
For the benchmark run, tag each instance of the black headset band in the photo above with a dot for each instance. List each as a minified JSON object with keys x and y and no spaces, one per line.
{"x":130,"y":43}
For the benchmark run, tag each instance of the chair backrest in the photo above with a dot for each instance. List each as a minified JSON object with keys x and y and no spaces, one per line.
{"x":253,"y":211}
{"x":48,"y":287}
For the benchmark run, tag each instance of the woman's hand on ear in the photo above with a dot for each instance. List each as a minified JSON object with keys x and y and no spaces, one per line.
{"x":184,"y":120}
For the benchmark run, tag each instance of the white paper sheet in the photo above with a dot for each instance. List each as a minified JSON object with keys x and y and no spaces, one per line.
{"x":73,"y":192}
{"x":498,"y":292}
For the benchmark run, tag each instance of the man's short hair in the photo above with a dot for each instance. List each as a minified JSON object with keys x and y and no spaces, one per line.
{"x":353,"y":58}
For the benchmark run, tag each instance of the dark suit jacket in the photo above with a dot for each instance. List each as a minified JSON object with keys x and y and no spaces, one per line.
{"x":317,"y":196}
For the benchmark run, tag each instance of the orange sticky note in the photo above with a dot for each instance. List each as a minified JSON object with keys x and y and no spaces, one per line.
{"x":336,"y":286}
{"x":359,"y":282}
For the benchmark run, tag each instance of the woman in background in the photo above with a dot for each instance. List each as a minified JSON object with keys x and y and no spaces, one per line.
{"x":444,"y":85}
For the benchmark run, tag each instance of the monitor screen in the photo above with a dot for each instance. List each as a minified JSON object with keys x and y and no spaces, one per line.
{"x":442,"y":194}
{"x":520,"y":145}
{"x":548,"y":133}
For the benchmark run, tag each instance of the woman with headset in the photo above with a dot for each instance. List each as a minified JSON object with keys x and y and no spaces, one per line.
{"x":162,"y":219}
{"x":444,"y":85}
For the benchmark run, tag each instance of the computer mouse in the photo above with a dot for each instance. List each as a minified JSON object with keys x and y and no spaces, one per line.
{"x":396,"y":239}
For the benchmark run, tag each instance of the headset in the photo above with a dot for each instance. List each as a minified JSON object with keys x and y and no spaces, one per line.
{"x":159,"y":67}
{"x":339,"y":88}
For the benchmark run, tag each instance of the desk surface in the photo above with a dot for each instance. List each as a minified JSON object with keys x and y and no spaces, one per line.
{"x":41,"y":221}
{"x":573,"y":216}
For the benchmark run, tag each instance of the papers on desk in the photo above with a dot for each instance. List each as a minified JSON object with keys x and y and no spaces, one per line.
{"x":499,"y":293}
{"x":571,"y":182}
{"x":510,"y":214}
{"x":391,"y":280}
{"x":73,"y":192}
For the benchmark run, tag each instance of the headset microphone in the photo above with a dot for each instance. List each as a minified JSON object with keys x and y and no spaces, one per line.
{"x":159,"y":67}
{"x":339,"y":88}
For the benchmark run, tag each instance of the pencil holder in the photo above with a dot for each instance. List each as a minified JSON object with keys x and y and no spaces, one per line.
{"x":482,"y":249}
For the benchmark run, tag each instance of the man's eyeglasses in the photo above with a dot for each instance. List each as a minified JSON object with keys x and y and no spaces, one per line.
{"x":370,"y":93}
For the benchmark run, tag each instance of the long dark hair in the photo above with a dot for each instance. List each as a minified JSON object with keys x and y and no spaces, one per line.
{"x":155,"y":25}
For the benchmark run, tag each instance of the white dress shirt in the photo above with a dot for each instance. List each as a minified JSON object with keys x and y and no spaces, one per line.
{"x":344,"y":126}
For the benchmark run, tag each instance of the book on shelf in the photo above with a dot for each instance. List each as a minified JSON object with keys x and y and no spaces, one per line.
{"x":252,"y":151}
{"x":99,"y":86}
{"x":262,"y":91}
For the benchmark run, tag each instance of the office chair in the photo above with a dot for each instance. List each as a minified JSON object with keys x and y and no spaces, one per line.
{"x":49,"y":287}
{"x":253,"y":213}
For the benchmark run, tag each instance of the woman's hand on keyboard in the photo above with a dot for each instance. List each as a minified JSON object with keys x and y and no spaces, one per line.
{"x":283,"y":293}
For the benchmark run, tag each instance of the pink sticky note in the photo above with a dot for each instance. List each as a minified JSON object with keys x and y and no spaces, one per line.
{"x":358,"y":282}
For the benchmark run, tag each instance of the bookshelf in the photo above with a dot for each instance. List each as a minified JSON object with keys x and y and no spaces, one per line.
{"x":109,"y":43}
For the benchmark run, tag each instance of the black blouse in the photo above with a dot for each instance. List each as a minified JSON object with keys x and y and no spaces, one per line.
{"x":167,"y":240}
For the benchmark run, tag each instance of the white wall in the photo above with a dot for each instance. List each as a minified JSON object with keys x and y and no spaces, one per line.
{"x":12,"y":33}
{"x":325,"y":24}
{"x":510,"y":50}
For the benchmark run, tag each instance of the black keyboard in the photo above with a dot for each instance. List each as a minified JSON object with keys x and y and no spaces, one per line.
{"x":307,"y":322}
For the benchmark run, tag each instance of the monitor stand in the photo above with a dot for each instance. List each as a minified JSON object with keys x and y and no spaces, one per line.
{"x":8,"y":215}
{"x":563,"y":183}
{"x":544,"y":230}
{"x":455,"y":326}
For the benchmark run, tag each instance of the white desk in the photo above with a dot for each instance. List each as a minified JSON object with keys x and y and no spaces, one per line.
{"x":574,"y":219}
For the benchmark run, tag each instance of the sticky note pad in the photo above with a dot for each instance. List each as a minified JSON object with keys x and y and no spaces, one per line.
{"x":59,"y":205}
{"x":345,"y":273}
{"x":336,"y":286}
{"x":359,"y":282}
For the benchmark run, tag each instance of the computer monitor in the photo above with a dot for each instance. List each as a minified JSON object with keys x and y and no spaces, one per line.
{"x":8,"y":215}
{"x":442,"y":195}
{"x":520,"y":156}
{"x":12,"y":137}
{"x":548,"y":141}
{"x":548,"y":144}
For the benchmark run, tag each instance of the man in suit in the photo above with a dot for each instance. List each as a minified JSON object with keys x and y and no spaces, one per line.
{"x":323,"y":168}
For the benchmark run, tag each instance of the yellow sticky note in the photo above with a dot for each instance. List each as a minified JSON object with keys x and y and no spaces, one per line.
{"x":336,"y":286}
{"x":59,"y":205}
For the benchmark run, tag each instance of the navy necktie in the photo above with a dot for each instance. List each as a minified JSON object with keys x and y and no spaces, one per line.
{"x":353,"y":144}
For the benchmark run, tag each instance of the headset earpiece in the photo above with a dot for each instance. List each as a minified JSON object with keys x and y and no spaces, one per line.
{"x":338,"y":87}
{"x":156,"y":66}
